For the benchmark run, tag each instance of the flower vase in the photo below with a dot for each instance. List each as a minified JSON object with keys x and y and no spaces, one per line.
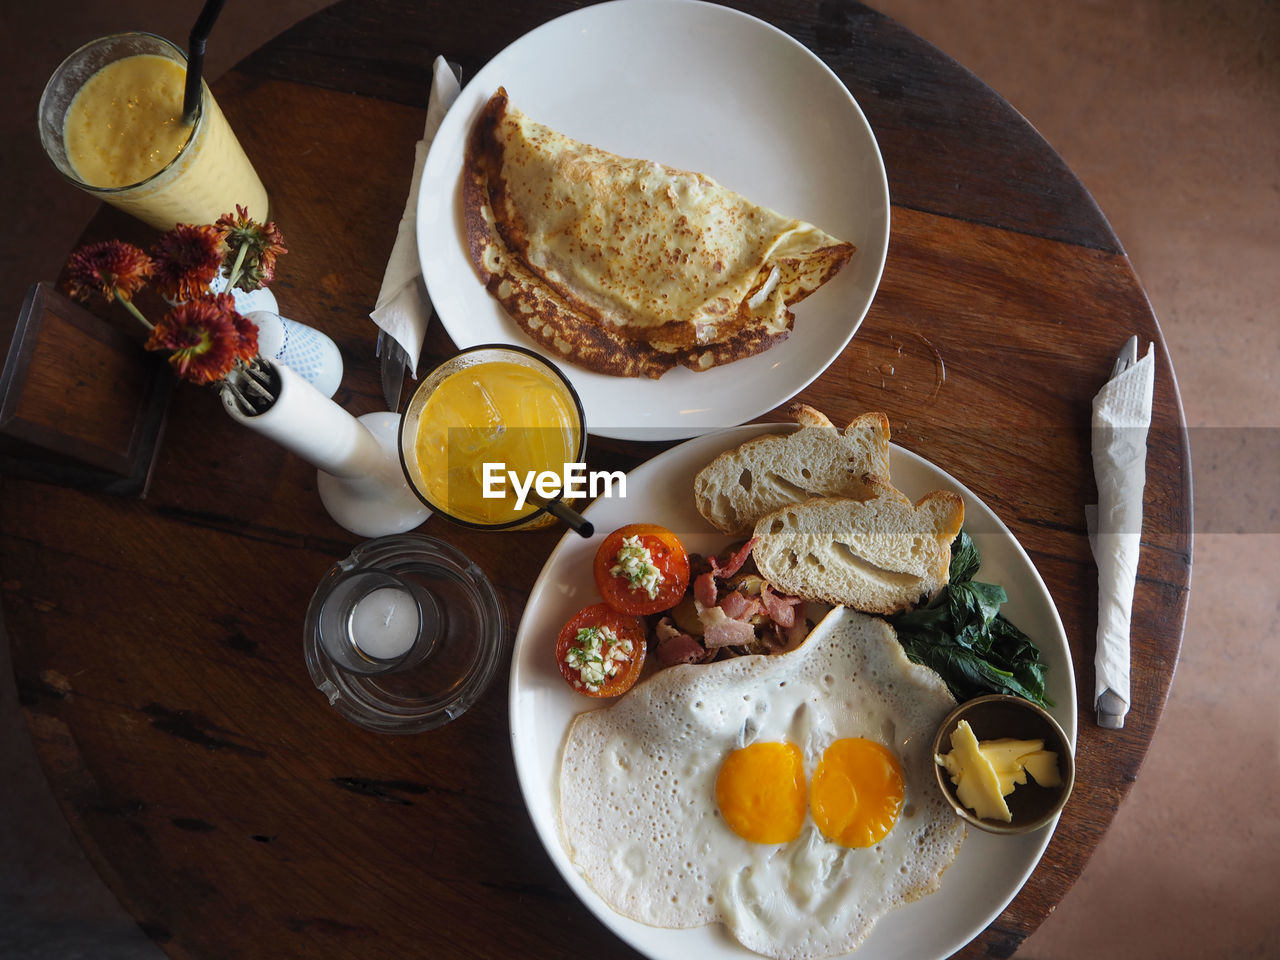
{"x":247,"y":301}
{"x":359,"y":478}
{"x":305,"y":349}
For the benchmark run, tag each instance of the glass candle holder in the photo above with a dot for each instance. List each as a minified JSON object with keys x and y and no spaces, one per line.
{"x":404,"y":634}
{"x":376,"y":622}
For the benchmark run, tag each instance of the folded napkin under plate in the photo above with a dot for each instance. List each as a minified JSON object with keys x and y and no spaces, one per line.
{"x":1121,"y":418}
{"x":403,"y":308}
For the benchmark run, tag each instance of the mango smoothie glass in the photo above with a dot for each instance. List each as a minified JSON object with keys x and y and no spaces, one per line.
{"x":111,"y":121}
{"x":481,"y":427}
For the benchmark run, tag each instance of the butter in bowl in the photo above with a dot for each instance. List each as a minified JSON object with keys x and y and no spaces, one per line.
{"x":1004,"y":764}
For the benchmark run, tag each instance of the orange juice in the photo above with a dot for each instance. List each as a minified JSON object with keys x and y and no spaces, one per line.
{"x":497,"y":413}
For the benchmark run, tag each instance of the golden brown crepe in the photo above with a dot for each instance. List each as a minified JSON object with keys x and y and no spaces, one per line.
{"x":628,"y":267}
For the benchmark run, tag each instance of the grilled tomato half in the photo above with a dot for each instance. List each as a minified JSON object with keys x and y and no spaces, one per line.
{"x":641,"y":568}
{"x":601,"y":651}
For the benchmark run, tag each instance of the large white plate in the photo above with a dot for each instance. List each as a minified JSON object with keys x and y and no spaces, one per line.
{"x":698,"y":87}
{"x":989,"y":870}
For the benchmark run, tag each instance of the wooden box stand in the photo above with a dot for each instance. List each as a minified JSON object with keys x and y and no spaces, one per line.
{"x":81,"y":403}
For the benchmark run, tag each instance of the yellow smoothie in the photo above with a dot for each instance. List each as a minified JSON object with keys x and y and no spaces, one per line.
{"x":124,"y":134}
{"x":497,"y":412}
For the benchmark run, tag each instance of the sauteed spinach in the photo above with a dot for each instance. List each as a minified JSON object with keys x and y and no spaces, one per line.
{"x":962,"y":635}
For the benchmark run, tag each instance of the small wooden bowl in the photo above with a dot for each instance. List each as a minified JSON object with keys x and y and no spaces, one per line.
{"x":991,"y":718}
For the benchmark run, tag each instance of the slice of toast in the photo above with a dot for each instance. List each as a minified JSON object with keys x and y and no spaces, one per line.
{"x":740,"y":486}
{"x":877,"y":555}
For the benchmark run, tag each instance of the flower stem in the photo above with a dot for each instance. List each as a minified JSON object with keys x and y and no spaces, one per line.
{"x":235,"y":267}
{"x":250,"y":387}
{"x":129,"y":305}
{"x":237,"y":397}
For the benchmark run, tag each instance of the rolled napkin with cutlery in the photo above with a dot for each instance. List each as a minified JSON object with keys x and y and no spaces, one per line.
{"x":402,"y":309}
{"x":1121,"y":418}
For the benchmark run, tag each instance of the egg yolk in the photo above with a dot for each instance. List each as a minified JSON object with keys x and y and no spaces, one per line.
{"x":761,"y":792}
{"x":857,"y":792}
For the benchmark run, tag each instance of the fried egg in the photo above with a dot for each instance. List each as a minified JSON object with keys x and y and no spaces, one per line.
{"x":760,"y":791}
{"x":788,"y":797}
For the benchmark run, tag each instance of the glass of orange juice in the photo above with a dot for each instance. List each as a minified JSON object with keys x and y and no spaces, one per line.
{"x":482,"y":427}
{"x":111,"y":121}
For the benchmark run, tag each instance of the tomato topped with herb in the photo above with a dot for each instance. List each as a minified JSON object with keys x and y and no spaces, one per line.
{"x":601,"y":651}
{"x":642,"y":568}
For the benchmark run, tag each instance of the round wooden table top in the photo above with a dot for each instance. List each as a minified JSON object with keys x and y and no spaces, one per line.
{"x":157,"y":641}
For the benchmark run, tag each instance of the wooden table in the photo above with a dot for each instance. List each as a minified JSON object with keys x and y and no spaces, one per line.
{"x":156,"y":643}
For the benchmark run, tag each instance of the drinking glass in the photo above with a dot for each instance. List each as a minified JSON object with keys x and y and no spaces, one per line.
{"x":426,"y":473}
{"x":208,"y":177}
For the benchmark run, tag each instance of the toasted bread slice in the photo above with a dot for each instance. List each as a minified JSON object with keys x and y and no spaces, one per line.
{"x":879,"y":555}
{"x":740,"y":486}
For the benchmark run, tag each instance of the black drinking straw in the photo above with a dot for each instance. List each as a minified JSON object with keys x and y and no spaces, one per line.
{"x":195,"y":58}
{"x":576,"y":521}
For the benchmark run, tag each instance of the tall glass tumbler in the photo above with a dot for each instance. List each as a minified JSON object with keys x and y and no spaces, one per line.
{"x":110,"y":121}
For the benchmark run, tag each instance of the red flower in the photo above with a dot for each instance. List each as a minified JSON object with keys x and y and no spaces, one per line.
{"x":252,"y":249}
{"x":110,"y":269}
{"x":187,"y":258}
{"x":246,"y":329}
{"x":206,"y":338}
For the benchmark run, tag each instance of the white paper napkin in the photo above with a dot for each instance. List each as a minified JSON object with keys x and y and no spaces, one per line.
{"x":402,"y":309}
{"x":1121,"y":417}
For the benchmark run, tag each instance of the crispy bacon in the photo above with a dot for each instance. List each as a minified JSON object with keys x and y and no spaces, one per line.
{"x":781,"y":608}
{"x":735,"y":562}
{"x":734,"y":620}
{"x":681,"y":648}
{"x":704,"y":589}
{"x":674,"y":647}
{"x":742,"y":606}
{"x":720,"y":630}
{"x":734,"y":604}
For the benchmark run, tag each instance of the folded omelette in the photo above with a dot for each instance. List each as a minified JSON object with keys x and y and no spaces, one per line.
{"x":628,"y":267}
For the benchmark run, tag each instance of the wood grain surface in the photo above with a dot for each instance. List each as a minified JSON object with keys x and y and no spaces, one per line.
{"x":157,"y":642}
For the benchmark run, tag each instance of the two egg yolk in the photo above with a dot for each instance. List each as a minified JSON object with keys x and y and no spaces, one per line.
{"x":855,"y":797}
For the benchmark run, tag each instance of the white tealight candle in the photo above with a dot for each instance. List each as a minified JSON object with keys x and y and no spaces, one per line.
{"x":384,"y":623}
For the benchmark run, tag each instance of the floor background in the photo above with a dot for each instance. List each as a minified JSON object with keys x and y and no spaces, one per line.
{"x":1169,"y":112}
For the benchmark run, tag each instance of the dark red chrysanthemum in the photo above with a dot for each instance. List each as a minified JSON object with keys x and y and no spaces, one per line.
{"x":246,"y":329}
{"x":254,"y":246}
{"x":187,"y":258}
{"x":109,"y":269}
{"x":203,"y":337}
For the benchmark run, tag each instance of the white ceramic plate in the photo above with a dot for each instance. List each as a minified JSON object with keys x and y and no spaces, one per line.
{"x":698,"y":87}
{"x":989,"y":870}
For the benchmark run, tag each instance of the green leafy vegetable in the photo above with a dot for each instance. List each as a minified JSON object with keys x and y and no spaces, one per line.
{"x":962,"y":635}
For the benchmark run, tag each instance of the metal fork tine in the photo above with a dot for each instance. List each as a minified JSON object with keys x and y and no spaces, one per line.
{"x":1127,"y":358}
